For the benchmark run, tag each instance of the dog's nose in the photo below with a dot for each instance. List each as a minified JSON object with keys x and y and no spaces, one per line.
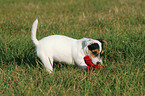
{"x":98,"y":62}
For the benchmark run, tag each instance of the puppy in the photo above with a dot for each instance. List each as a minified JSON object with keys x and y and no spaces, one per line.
{"x":65,"y":49}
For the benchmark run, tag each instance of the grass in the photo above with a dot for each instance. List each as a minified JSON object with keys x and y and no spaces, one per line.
{"x":120,"y":22}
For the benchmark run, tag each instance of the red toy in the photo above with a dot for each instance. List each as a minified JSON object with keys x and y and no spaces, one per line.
{"x":91,"y":66}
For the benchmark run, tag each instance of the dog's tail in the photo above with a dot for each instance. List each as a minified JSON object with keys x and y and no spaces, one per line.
{"x":33,"y":34}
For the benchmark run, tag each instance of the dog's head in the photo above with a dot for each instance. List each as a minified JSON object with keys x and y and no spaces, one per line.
{"x":96,"y":50}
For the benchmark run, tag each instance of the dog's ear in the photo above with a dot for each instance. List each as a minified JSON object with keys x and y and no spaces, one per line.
{"x":103,"y":41}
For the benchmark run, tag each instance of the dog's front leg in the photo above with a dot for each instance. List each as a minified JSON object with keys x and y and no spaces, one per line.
{"x":81,"y":63}
{"x":48,"y":63}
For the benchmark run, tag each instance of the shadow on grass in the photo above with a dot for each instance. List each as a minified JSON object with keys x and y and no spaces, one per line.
{"x":35,"y":62}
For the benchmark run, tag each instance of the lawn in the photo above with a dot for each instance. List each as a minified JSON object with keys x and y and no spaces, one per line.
{"x":120,"y":22}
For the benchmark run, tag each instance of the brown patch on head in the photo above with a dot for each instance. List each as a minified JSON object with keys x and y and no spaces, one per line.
{"x":96,"y":51}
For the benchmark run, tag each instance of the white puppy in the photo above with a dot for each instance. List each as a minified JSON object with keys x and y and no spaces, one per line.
{"x":65,"y":49}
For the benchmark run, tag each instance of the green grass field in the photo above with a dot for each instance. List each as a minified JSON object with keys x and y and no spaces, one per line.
{"x":120,"y":22}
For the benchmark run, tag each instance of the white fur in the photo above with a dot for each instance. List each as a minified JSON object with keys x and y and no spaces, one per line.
{"x":62,"y":49}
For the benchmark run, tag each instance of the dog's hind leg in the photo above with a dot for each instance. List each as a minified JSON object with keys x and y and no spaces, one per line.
{"x":48,"y":63}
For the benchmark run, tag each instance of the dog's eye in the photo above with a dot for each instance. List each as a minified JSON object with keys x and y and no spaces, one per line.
{"x":95,"y":53}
